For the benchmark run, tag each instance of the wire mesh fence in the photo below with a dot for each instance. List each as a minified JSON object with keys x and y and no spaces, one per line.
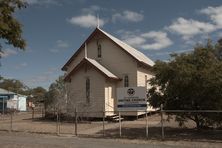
{"x":145,"y":125}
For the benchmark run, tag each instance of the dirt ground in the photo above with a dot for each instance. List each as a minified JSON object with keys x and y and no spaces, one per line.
{"x":27,"y":140}
{"x":135,"y":129}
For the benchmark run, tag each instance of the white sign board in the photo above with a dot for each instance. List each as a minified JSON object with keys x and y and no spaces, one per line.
{"x":131,"y":98}
{"x":22,"y":103}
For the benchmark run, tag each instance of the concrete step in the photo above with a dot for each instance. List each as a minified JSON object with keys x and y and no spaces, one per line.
{"x":114,"y":118}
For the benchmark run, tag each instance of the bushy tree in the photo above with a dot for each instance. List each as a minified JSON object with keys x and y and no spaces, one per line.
{"x":10,"y":28}
{"x":38,"y":94}
{"x":191,"y":81}
{"x":56,"y":98}
{"x":14,"y":86}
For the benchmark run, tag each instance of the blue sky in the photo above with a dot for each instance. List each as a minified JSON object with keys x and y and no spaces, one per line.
{"x":55,"y":29}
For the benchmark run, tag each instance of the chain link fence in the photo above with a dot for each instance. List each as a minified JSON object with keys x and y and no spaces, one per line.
{"x":148,"y":125}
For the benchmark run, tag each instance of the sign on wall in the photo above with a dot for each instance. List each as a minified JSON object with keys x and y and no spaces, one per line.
{"x":131,"y":98}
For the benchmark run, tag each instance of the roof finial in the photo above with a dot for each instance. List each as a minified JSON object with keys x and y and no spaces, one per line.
{"x":85,"y":50}
{"x":97,"y":20}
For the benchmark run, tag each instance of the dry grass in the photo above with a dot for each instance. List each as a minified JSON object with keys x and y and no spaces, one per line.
{"x":135,"y":129}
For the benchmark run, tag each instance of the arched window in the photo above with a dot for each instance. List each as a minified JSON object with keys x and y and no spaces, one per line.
{"x":99,"y":50}
{"x":126,"y":81}
{"x":87,"y":90}
{"x":146,"y":81}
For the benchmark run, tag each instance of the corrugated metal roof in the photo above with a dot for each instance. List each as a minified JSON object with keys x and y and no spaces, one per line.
{"x":102,"y":68}
{"x":6,"y":92}
{"x":134,"y":52}
{"x":95,"y":64}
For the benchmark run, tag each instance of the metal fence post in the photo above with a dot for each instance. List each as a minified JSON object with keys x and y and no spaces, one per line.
{"x":120,"y":125}
{"x":76,"y":120}
{"x":104,"y":123}
{"x":147,"y":132}
{"x":162,"y":127}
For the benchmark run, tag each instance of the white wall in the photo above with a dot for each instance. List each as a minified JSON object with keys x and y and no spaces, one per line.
{"x":141,"y":73}
{"x":114,"y":59}
{"x":77,"y":91}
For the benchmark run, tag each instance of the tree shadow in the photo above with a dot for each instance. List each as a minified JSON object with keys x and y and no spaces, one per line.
{"x":155,"y":133}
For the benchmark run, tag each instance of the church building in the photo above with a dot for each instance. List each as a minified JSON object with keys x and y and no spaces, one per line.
{"x":102,"y":64}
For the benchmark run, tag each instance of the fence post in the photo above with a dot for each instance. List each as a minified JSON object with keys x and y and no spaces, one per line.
{"x":103,"y":123}
{"x":57,"y":123}
{"x":10,"y":121}
{"x":33,"y":112}
{"x":76,"y":120}
{"x":42,"y":111}
{"x":147,"y":132}
{"x":3,"y":108}
{"x":162,"y":127}
{"x":120,"y":125}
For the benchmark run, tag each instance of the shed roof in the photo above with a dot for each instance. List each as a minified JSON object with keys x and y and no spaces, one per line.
{"x":136,"y":54}
{"x":95,"y":64}
{"x":6,"y":92}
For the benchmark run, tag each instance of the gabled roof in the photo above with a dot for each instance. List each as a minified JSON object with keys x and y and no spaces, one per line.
{"x":98,"y":67}
{"x":139,"y":56}
{"x":6,"y":92}
{"x":132,"y":51}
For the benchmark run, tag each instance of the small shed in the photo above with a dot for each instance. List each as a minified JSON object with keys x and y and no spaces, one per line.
{"x":12,"y":100}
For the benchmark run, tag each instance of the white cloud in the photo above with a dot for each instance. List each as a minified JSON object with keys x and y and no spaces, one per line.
{"x":135,"y":40}
{"x":54,"y":50}
{"x":219,"y":34}
{"x":41,"y":78}
{"x":62,"y":44}
{"x":8,"y":52}
{"x":215,"y":14}
{"x":31,"y":2}
{"x":42,"y":2}
{"x":21,"y":65}
{"x":153,"y":40}
{"x":91,"y":9}
{"x":86,"y":21}
{"x":160,"y":40}
{"x":190,"y":28}
{"x":176,"y":51}
{"x":127,"y":15}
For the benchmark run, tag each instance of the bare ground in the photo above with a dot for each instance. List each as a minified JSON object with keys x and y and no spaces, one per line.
{"x":135,"y":129}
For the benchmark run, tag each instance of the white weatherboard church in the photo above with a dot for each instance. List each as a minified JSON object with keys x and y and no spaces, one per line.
{"x":102,"y":64}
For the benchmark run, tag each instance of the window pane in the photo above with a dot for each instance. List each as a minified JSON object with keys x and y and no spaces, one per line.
{"x":99,"y":51}
{"x":126,"y":81}
{"x":87,"y":90}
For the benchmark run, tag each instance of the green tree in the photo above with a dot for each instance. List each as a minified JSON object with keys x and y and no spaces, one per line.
{"x":10,"y":28}
{"x":38,"y":94}
{"x":14,"y":86}
{"x":56,"y":97}
{"x":190,"y":81}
